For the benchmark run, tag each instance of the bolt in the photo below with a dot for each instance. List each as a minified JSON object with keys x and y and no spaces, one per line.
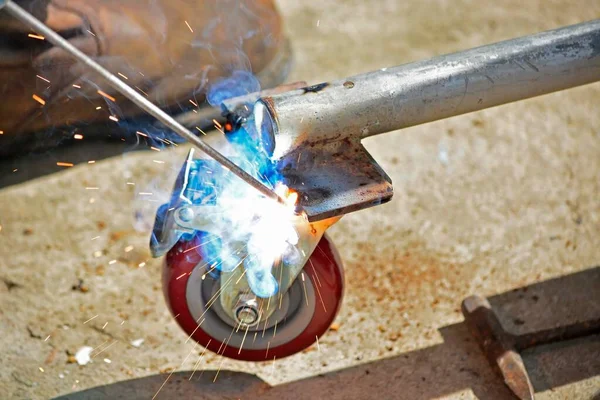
{"x":186,"y":214}
{"x":246,"y":312}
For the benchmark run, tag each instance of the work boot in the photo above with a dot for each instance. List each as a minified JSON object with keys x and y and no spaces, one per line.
{"x":171,"y":51}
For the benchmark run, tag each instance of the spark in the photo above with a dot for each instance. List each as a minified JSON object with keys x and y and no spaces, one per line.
{"x":90,"y":32}
{"x":189,"y":27}
{"x":318,"y":346}
{"x":64,"y":164}
{"x":199,"y":360}
{"x":191,"y":101}
{"x":47,"y":337}
{"x":145,"y":193}
{"x":34,"y":36}
{"x":141,"y":134}
{"x":78,"y":136}
{"x":204,"y":133}
{"x":106,"y":360}
{"x":267,"y":352}
{"x":123,"y":76}
{"x":42,"y":78}
{"x":128,"y":249}
{"x":222,"y":358}
{"x":79,"y":87}
{"x":243,"y":339}
{"x":111,"y":262}
{"x":321,"y":297}
{"x":90,"y":319}
{"x":92,"y":188}
{"x":41,"y":369}
{"x":131,"y":183}
{"x":113,"y":118}
{"x":141,"y":265}
{"x":104,"y":349}
{"x":168,"y":377}
{"x":15,"y":170}
{"x":304,"y":286}
{"x":104,"y":326}
{"x":95,"y":237}
{"x":141,"y":89}
{"x":106,"y":95}
{"x":181,"y":276}
{"x":315,"y":272}
{"x":158,"y":161}
{"x":217,"y":124}
{"x":1,"y":132}
{"x":39,"y":99}
{"x":100,"y":345}
{"x":98,"y":108}
{"x":91,"y":162}
{"x":154,"y":148}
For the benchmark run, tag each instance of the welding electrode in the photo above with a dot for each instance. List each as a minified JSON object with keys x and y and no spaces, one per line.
{"x":19,"y":13}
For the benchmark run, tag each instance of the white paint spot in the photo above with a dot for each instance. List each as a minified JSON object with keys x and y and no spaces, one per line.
{"x":83,"y":355}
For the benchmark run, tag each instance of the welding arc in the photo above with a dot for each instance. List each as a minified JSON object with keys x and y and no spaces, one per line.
{"x":146,"y":105}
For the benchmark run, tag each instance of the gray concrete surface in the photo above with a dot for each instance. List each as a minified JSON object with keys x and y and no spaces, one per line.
{"x":484,"y":203}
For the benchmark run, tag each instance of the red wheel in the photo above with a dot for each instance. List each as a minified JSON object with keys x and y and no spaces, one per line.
{"x":309,"y":306}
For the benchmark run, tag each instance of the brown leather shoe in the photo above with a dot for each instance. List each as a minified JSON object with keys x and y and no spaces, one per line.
{"x":169,"y":50}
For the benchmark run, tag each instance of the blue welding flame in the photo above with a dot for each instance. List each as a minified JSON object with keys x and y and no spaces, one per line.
{"x":249,"y":230}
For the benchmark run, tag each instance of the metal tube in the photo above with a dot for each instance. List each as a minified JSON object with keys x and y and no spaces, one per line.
{"x":444,"y":86}
{"x":146,"y":105}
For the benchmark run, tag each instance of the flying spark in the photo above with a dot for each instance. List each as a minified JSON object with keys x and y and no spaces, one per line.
{"x":76,"y":86}
{"x":123,"y":76}
{"x":42,"y":78}
{"x":191,"y":101}
{"x":78,"y":136}
{"x":106,"y":95}
{"x":34,"y":36}
{"x":90,"y":319}
{"x":39,"y":99}
{"x":64,"y":164}
{"x":189,"y":27}
{"x":113,"y":118}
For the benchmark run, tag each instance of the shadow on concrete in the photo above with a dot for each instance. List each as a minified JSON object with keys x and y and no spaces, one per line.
{"x":452,"y":366}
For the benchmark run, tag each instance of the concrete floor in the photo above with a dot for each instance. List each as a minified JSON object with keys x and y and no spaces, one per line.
{"x":485,"y":203}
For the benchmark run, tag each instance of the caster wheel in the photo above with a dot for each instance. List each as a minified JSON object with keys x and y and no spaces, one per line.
{"x":305,"y":313}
